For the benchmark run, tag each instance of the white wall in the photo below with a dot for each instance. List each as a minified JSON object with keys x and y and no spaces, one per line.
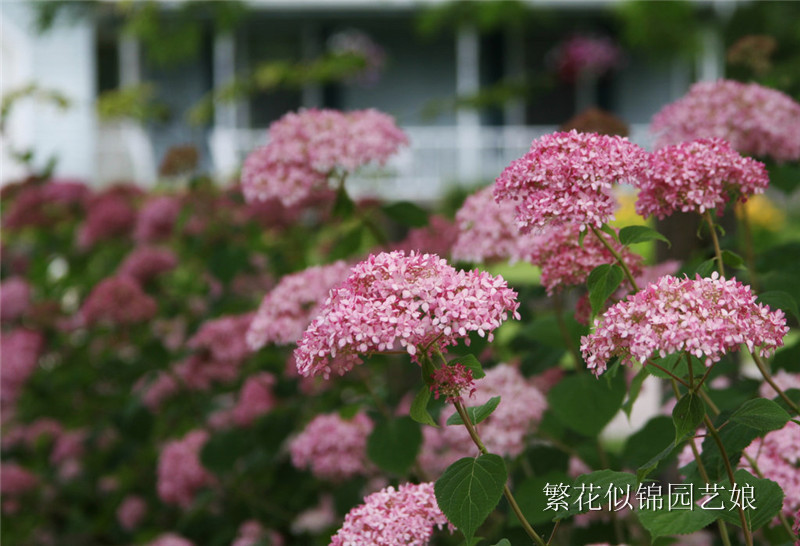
{"x":62,"y":59}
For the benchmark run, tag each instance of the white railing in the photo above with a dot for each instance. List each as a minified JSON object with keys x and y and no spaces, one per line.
{"x":438,"y":157}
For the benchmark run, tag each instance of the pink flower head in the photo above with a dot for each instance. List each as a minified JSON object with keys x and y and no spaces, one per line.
{"x":118,"y":300}
{"x":252,"y":533}
{"x":286,"y":311}
{"x":156,"y":219}
{"x":406,"y":515}
{"x":155,"y":392}
{"x":145,"y":263}
{"x":65,"y":191}
{"x":412,"y":300}
{"x":223,"y":338}
{"x":304,"y":148}
{"x":15,"y":480}
{"x":504,"y":432}
{"x":170,"y":539}
{"x":784,"y":380}
{"x":697,"y":176}
{"x":566,"y":262}
{"x":585,"y":55}
{"x":15,"y":298}
{"x":21,"y":349}
{"x":437,"y":237}
{"x":255,"y":399}
{"x":131,"y":512}
{"x":180,"y":473}
{"x":756,"y":120}
{"x":109,"y":215}
{"x":452,"y":381}
{"x":487,"y":232}
{"x":705,"y":317}
{"x":567,"y":178}
{"x":777,"y":456}
{"x":333,"y":448}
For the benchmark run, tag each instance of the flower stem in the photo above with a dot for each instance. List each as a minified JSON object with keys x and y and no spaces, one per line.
{"x":717,"y":249}
{"x":781,"y":515}
{"x":669,"y":373}
{"x":748,"y":537}
{"x":617,"y":256}
{"x":506,"y":491}
{"x":749,"y":255}
{"x":768,"y":378}
{"x":562,"y":326}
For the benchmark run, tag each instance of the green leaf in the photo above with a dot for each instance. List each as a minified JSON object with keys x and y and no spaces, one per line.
{"x":603,"y":281}
{"x":427,"y":369}
{"x":753,"y":419}
{"x":639,"y":234}
{"x":348,"y":244}
{"x":407,"y":214}
{"x":221,"y":451}
{"x":706,"y":268}
{"x":531,"y":498}
{"x":633,"y":391}
{"x":761,"y":414}
{"x":767,"y":500}
{"x":470,"y":363}
{"x":419,"y":407}
{"x":602,"y":479}
{"x":687,"y":415}
{"x":394,"y":444}
{"x":503,"y":542}
{"x":647,"y":442}
{"x":476,"y":414}
{"x":643,"y":471}
{"x":610,"y":231}
{"x":732,"y":259}
{"x":664,"y":522}
{"x":674,"y":363}
{"x":778,"y":299}
{"x":581,"y":237}
{"x":470,"y":489}
{"x":585,"y":404}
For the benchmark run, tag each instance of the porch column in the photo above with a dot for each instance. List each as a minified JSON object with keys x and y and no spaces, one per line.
{"x":224,"y":135}
{"x":311,"y":49}
{"x":711,"y":59}
{"x":468,"y":121}
{"x":514,"y":109}
{"x":130,"y":61}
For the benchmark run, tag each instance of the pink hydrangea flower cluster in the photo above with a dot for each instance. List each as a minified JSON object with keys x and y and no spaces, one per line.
{"x":487,"y":232}
{"x":180,"y":473}
{"x":145,"y":263}
{"x":585,"y":55}
{"x":21,"y":351}
{"x":697,"y":176}
{"x":255,"y":399}
{"x":15,"y":480}
{"x":437,"y":237}
{"x":118,"y":300}
{"x":504,"y":432}
{"x":406,"y":515}
{"x":777,"y":456}
{"x":565,"y":262}
{"x":305,"y":147}
{"x":170,"y":539}
{"x":224,"y":338}
{"x":756,"y":120}
{"x":252,"y":533}
{"x":15,"y":298}
{"x":452,"y":382}
{"x":131,"y":511}
{"x":412,"y":300}
{"x":566,"y":178}
{"x":333,"y":448}
{"x":109,"y":215}
{"x":156,"y":219}
{"x":784,"y":380}
{"x":286,"y":311}
{"x":705,"y":317}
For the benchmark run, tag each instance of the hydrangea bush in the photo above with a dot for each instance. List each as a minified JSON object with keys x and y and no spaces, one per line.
{"x":273,"y":363}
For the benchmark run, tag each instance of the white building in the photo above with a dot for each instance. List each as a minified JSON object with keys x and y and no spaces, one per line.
{"x":81,"y":57}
